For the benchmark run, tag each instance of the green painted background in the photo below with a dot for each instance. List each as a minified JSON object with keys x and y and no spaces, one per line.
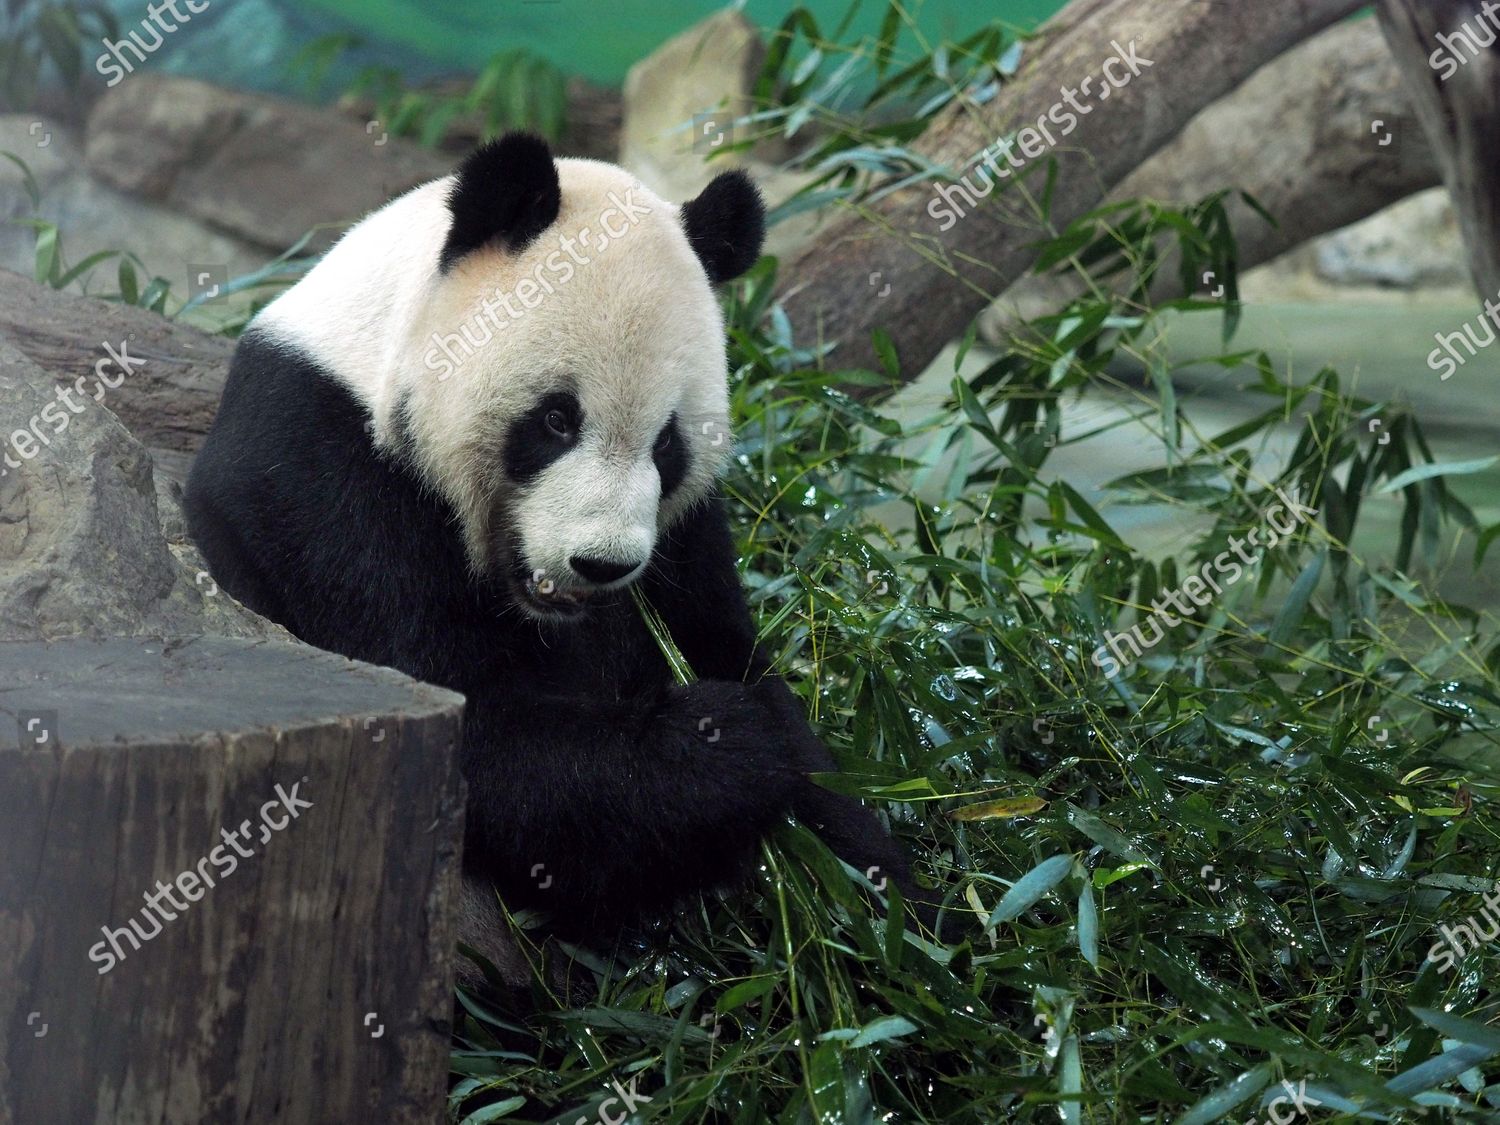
{"x":248,"y":43}
{"x":600,"y":39}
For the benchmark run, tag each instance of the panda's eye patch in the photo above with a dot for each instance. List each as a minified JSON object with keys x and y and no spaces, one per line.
{"x":670,"y":454}
{"x":540,"y":436}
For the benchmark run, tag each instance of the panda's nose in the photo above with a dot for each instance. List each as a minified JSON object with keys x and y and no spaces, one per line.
{"x":601,"y":571}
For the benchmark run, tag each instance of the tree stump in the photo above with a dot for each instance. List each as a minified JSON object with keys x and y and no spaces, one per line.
{"x":295,"y":818}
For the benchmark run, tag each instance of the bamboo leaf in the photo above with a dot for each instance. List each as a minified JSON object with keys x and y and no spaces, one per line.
{"x":1030,"y":888}
{"x":1418,"y":473}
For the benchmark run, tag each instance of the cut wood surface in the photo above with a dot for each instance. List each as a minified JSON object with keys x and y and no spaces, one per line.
{"x":939,"y":280}
{"x":310,"y":979}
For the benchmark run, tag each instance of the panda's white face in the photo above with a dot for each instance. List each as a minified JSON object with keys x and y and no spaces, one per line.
{"x":569,"y":428}
{"x":560,"y":379}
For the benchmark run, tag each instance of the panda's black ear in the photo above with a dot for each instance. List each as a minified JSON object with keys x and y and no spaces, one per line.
{"x":506,"y":191}
{"x":726,"y":225}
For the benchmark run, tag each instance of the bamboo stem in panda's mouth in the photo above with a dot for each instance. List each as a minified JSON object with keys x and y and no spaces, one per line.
{"x":682,"y":671}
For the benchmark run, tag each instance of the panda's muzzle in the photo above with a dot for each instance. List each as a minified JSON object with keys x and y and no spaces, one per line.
{"x":547,"y":595}
{"x":568,"y":597}
{"x":602,"y":572}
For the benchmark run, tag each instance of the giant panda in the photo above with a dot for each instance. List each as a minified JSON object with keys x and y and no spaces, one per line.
{"x":451,"y":448}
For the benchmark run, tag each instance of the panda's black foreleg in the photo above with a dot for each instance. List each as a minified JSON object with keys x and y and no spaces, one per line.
{"x":600,"y":813}
{"x":855,"y":834}
{"x":852,"y":832}
{"x":700,"y":595}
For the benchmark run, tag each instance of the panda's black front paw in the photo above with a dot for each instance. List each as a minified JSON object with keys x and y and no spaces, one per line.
{"x":747,"y":726}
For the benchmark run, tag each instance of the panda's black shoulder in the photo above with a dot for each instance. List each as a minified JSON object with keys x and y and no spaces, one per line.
{"x":276,"y":395}
{"x":303,"y":519}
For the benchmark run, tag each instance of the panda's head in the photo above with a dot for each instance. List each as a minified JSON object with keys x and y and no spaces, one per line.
{"x":564,"y":380}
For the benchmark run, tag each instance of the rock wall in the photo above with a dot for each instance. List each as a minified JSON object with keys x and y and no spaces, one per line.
{"x":89,"y":546}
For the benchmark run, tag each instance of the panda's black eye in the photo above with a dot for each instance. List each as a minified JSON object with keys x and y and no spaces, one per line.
{"x":663,"y":440}
{"x":558,"y":423}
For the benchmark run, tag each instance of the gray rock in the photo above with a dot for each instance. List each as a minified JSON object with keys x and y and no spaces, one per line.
{"x":681,"y":102}
{"x":167,"y":401}
{"x":82,"y":551}
{"x":92,"y":216}
{"x":48,"y":147}
{"x":263,"y":170}
{"x":1413,"y":244}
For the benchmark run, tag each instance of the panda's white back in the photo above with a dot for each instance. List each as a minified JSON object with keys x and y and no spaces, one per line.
{"x":343,"y":310}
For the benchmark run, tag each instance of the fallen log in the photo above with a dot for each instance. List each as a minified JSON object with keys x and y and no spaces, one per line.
{"x":941,"y":275}
{"x":1321,"y":168}
{"x":1449,"y":54}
